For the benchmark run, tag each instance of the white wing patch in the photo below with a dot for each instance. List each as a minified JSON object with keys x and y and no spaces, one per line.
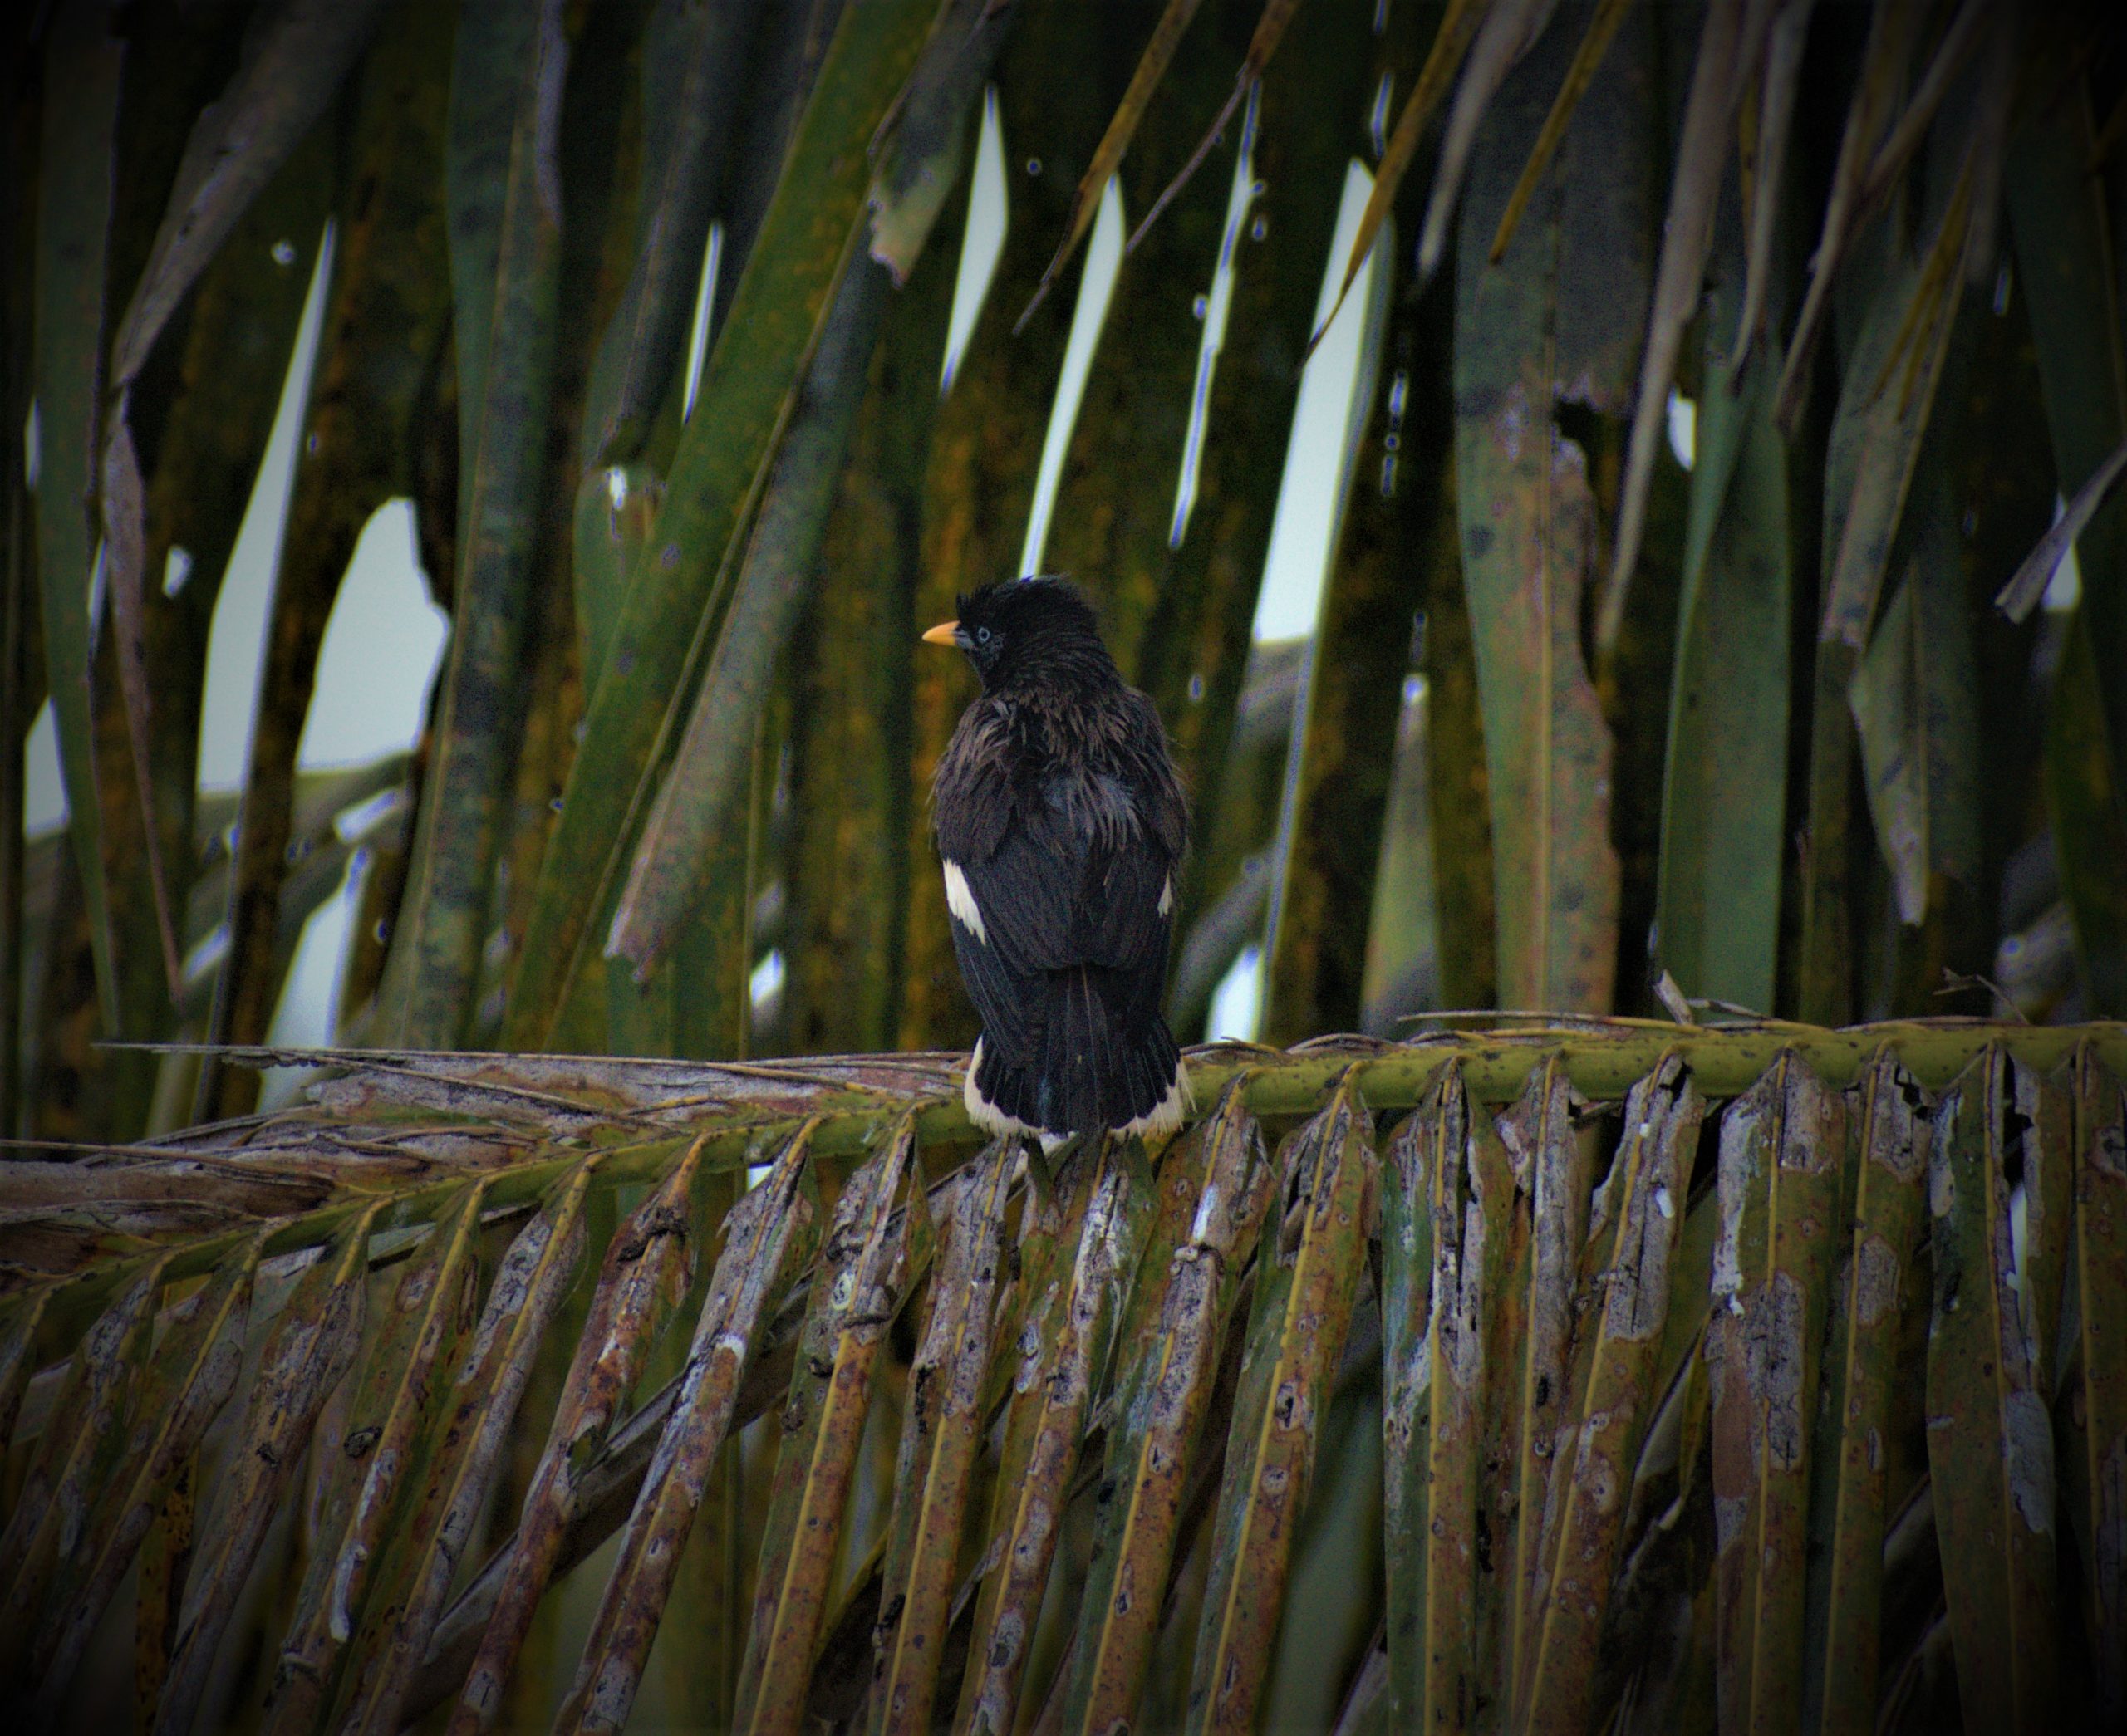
{"x":960,"y":900}
{"x":1167,"y":897}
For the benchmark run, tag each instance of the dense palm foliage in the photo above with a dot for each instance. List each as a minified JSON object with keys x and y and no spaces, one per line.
{"x":1803,"y":714}
{"x":1643,"y":1377}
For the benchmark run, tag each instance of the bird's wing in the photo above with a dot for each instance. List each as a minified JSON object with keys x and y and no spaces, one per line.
{"x":1125,"y":908}
{"x":1018,"y":900}
{"x":1078,"y":878}
{"x":1126,"y":902}
{"x":973,"y":796}
{"x":1155,"y":788}
{"x":1010,"y":917}
{"x":1002,"y":989}
{"x":1074,"y":870}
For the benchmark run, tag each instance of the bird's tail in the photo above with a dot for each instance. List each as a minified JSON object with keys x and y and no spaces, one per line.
{"x":1093,"y":1065}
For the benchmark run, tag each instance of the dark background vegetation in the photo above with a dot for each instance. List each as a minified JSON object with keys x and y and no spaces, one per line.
{"x":1814,"y":729}
{"x":1806,"y":767}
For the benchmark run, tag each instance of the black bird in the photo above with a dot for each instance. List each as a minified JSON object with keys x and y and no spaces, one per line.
{"x":1061,"y":824}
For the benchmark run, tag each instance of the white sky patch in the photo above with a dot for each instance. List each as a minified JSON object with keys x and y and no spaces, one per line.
{"x":766,"y":981}
{"x":2064,"y":589}
{"x":383,"y":644}
{"x":207,"y":954}
{"x":304,"y":1017}
{"x":1325,"y":427}
{"x":1218,"y":306}
{"x":99,"y":571}
{"x":236,"y":646}
{"x":44,"y":793}
{"x":307,"y":1015}
{"x":712,"y":257}
{"x":1096,"y":290}
{"x":1683,"y":427}
{"x":1336,"y":399}
{"x":1237,"y":1002}
{"x":1376,"y":119}
{"x":982,"y":243}
{"x":350,"y":823}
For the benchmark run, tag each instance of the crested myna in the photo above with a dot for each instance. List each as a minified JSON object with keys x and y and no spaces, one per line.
{"x":1061,"y":825}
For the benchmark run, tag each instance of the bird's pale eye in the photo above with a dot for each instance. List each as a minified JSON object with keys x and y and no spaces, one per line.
{"x":982,"y":635}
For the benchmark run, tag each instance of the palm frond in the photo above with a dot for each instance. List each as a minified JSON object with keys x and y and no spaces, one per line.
{"x":1514,"y":1240}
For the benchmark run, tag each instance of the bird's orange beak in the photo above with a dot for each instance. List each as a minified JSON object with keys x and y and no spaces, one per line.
{"x":942,"y":634}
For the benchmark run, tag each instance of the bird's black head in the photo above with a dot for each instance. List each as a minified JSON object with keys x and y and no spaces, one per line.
{"x":1017,"y":627}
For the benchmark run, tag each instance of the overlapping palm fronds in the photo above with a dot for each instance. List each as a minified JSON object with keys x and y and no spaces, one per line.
{"x":1720,"y":367}
{"x":1725,"y":1374}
